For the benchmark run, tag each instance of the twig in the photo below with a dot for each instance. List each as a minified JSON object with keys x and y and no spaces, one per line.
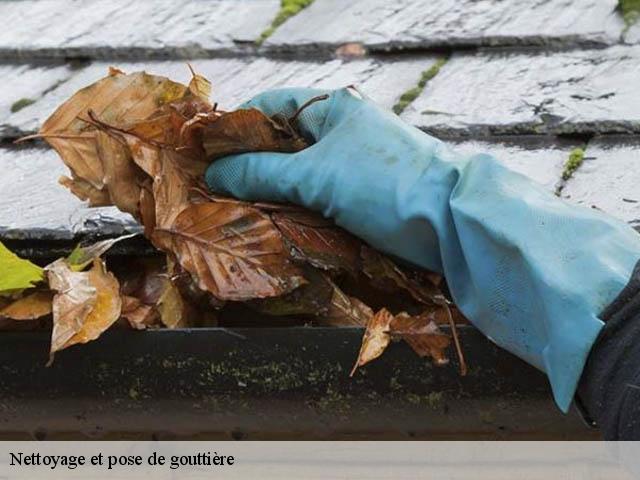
{"x":456,"y":341}
{"x":96,"y":122}
{"x":307,"y":104}
{"x":47,"y":135}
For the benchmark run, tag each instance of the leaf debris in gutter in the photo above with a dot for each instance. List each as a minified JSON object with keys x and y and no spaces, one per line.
{"x":146,"y":152}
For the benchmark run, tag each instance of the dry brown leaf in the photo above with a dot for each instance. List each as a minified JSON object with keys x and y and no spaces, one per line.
{"x":170,"y":126}
{"x":387,"y":276}
{"x":117,"y":99}
{"x":147,"y":208}
{"x":319,"y":241}
{"x":86,"y":192}
{"x":143,"y":143}
{"x":248,"y":131}
{"x":314,"y":298}
{"x":139,"y":315}
{"x":172,"y":186}
{"x":422,"y":334}
{"x":33,"y":306}
{"x":146,"y":284}
{"x":346,"y":311}
{"x":236,"y":253}
{"x":74,"y":300}
{"x":376,"y":338}
{"x":85,"y":304}
{"x":122,"y":177}
{"x":107,"y":307}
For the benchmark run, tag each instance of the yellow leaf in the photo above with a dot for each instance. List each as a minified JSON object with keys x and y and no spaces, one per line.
{"x":199,"y":85}
{"x":17,"y":273}
{"x":172,"y":307}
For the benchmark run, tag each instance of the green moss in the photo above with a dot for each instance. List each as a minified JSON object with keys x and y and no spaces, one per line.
{"x":20,"y":104}
{"x":410,"y":95}
{"x":630,"y":10}
{"x":288,"y":8}
{"x":432,"y":400}
{"x":573,"y":163}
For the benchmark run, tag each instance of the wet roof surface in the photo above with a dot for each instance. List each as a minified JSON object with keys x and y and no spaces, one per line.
{"x":526,"y":80}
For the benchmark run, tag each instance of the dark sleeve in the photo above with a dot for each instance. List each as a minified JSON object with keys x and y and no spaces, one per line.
{"x":609,"y":388}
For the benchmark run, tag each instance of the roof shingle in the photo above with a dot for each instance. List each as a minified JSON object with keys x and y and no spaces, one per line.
{"x":381,"y":24}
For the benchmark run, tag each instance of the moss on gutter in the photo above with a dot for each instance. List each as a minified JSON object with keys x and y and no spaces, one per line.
{"x":630,"y":10}
{"x":576,"y":157}
{"x":20,"y":104}
{"x":288,"y":9}
{"x":410,"y":95}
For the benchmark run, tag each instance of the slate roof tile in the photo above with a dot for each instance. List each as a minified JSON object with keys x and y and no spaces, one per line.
{"x":632,"y":34}
{"x":25,"y":83}
{"x":609,"y":177}
{"x":35,"y":206}
{"x":575,"y":91}
{"x":541,"y":159}
{"x":382,"y":24}
{"x":125,"y":28}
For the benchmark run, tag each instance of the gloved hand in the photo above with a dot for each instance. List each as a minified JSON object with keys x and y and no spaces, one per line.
{"x":529,"y":270}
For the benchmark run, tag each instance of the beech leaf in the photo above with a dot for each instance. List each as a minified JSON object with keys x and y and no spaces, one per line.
{"x":86,"y":192}
{"x":85,"y":304}
{"x":116,"y":99}
{"x":387,"y":276}
{"x":313,"y":298}
{"x":139,"y":315}
{"x":248,"y":131}
{"x":319,"y":241}
{"x":422,"y":334}
{"x":376,"y":338}
{"x":31,"y":307}
{"x":236,"y":253}
{"x":346,"y":311}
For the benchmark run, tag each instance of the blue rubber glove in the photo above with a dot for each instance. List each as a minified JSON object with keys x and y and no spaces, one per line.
{"x":529,"y":270}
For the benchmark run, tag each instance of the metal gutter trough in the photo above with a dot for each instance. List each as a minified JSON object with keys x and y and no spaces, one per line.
{"x":261,"y":383}
{"x":265,"y":383}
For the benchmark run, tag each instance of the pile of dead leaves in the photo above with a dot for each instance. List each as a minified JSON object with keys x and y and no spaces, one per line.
{"x":142,"y":143}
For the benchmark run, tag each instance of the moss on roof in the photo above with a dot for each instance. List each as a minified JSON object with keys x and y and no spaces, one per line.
{"x":630,"y":10}
{"x":576,"y":157}
{"x":410,"y":95}
{"x":20,"y":104}
{"x":288,"y":8}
